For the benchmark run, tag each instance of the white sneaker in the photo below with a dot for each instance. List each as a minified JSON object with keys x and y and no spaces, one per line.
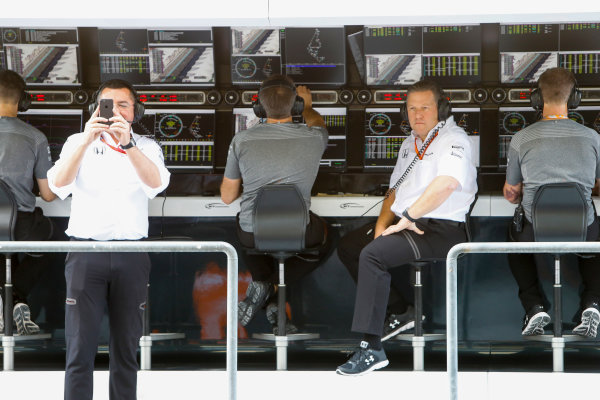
{"x":22,"y":316}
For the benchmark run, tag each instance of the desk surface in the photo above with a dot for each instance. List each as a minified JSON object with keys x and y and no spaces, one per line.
{"x":326,"y":206}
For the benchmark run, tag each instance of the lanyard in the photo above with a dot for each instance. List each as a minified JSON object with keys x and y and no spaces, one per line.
{"x":559,"y":116}
{"x":112,"y":147}
{"x":427,"y":143}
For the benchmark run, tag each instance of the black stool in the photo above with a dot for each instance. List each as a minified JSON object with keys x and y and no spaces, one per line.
{"x":280,"y":219}
{"x":559,"y":213}
{"x":8,"y":220}
{"x":418,"y":338}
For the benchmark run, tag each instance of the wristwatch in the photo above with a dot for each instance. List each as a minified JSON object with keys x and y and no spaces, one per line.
{"x":128,"y":145}
{"x":408,"y":217}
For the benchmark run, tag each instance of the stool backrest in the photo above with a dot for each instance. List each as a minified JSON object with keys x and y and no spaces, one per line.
{"x":559,"y":213}
{"x":280,"y":219}
{"x":8,"y":212}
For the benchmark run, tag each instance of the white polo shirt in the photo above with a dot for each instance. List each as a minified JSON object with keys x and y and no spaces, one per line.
{"x":449,"y":154}
{"x":110,"y":202}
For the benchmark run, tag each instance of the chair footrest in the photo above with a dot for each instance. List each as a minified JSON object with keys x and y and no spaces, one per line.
{"x":549,"y":338}
{"x":290,"y":338}
{"x":24,"y":338}
{"x":167,"y":336}
{"x":427,"y":337}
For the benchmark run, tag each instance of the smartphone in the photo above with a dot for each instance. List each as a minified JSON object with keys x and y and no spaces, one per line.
{"x":106,"y":109}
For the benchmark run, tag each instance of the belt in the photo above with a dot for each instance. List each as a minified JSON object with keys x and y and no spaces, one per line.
{"x":450,"y":222}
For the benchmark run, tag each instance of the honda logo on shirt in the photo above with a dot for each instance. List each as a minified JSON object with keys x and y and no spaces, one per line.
{"x":405,"y":153}
{"x":99,"y":150}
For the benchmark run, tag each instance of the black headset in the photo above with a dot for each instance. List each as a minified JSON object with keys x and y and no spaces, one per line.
{"x":138,"y":107}
{"x":258,"y":108}
{"x":443,"y":105}
{"x":537,"y":101}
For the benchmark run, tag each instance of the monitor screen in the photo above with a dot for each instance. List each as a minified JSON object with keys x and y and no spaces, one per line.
{"x":255,"y":54}
{"x":402,"y":55}
{"x":580,"y":51}
{"x":469,"y":120}
{"x":57,"y":125}
{"x":185,"y":136}
{"x":526,"y":51}
{"x":43,"y":57}
{"x":510,"y":121}
{"x":315,"y":55}
{"x":334,"y":158}
{"x":385,"y":130}
{"x":588,"y":116}
{"x":157,"y":57}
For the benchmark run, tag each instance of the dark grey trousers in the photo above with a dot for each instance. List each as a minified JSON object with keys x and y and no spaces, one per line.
{"x":96,"y":281}
{"x":391,"y":251}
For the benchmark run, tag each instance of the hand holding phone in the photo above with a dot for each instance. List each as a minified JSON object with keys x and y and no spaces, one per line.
{"x":106,"y":109}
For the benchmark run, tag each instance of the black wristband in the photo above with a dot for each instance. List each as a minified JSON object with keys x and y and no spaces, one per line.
{"x":128,"y":145}
{"x":408,"y":217}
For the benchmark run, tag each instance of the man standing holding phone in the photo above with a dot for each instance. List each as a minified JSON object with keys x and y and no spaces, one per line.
{"x":111,"y":173}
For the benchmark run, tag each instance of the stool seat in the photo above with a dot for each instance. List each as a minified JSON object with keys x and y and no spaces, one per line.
{"x":279,"y":221}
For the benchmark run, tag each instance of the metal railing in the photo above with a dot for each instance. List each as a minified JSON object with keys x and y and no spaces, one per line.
{"x":154,"y":246}
{"x":452,"y":287}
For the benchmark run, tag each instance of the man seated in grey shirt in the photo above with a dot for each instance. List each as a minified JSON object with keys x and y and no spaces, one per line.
{"x":278,"y":151}
{"x":553,"y":150}
{"x":24,"y":155}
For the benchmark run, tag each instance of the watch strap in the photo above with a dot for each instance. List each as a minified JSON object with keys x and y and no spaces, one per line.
{"x":408,"y":217}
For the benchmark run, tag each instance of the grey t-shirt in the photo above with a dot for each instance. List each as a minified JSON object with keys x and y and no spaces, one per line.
{"x":554,"y":151}
{"x":24,"y":155}
{"x":274,"y":153}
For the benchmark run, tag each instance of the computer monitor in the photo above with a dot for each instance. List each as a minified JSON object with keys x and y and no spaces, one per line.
{"x":157,"y":56}
{"x":526,"y":51}
{"x":336,"y":121}
{"x":510,"y":121}
{"x":43,"y":57}
{"x":315,"y":55}
{"x":580,"y":51}
{"x":56,"y":124}
{"x":255,"y":54}
{"x":185,"y":136}
{"x":385,"y":131}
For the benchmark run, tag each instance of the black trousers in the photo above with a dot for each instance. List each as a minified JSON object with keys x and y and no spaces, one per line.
{"x":524,"y":269}
{"x":27,"y":269}
{"x":96,"y":281}
{"x":264,"y":268}
{"x":390,"y":251}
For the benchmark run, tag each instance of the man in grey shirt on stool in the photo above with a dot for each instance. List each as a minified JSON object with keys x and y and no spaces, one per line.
{"x":553,"y":150}
{"x":278,"y":151}
{"x":24,"y":156}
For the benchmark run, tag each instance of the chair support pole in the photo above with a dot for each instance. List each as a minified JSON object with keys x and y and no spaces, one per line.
{"x":418,"y":287}
{"x":557,"y":298}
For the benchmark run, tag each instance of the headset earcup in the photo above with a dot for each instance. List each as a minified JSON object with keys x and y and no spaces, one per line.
{"x":24,"y":102}
{"x":138,"y":112}
{"x":258,"y":109}
{"x":536,"y":100}
{"x":444,"y":109}
{"x":574,"y":98}
{"x":403,"y":112}
{"x":298,"y":106}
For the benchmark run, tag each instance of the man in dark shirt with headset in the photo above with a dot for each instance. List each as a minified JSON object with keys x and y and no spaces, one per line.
{"x":24,"y":156}
{"x":278,"y":151}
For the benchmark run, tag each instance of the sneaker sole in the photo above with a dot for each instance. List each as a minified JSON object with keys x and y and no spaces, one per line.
{"x":592,"y":330}
{"x":536,"y":325}
{"x":379,"y":365}
{"x":25,"y":326}
{"x":401,"y":329}
{"x":246,"y":312}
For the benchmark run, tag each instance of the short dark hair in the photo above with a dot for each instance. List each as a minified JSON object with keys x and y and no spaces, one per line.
{"x":117,"y":84}
{"x":277,"y":100}
{"x":11,"y":86}
{"x":556,"y":85}
{"x":426,"y":85}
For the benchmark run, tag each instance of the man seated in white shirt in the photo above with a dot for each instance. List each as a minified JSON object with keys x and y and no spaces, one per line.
{"x":422,"y":218}
{"x":111,"y":173}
